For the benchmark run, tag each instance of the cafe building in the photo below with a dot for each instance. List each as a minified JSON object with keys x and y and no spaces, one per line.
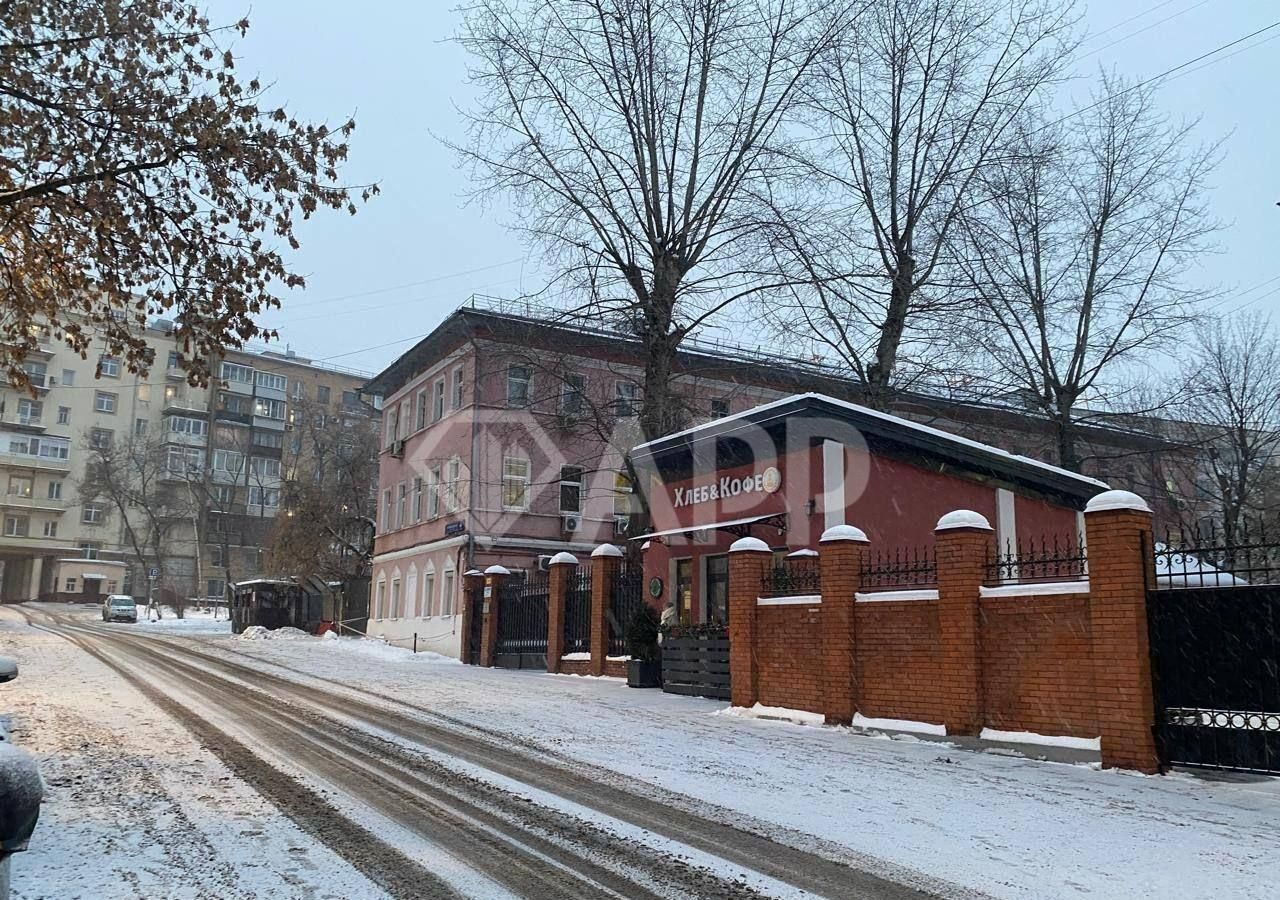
{"x":786,"y":471}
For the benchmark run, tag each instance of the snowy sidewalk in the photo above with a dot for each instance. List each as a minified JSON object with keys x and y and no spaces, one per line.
{"x":1003,"y":825}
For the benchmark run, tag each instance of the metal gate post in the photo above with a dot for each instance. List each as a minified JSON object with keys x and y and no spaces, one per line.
{"x":472,"y":606}
{"x":562,"y":568}
{"x":494,"y":578}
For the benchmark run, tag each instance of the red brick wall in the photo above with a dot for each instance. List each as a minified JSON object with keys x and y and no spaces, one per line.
{"x":789,"y":661}
{"x":1037,"y":665}
{"x":897,"y":660}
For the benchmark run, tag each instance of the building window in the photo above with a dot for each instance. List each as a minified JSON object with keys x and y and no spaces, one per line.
{"x":322,"y":393}
{"x":264,"y":467}
{"x":395,"y":598}
{"x":625,"y":395}
{"x":101,"y":438}
{"x":299,"y":391}
{"x":228,"y":461}
{"x":515,"y":483}
{"x":270,"y":439}
{"x":21,"y":485}
{"x":621,"y":495}
{"x":233,"y":372}
{"x":451,"y":496}
{"x":457,"y":388}
{"x":51,"y":529}
{"x":417,"y":499}
{"x":386,"y":510}
{"x":93,"y":514}
{"x":447,"y":589}
{"x":223,"y":495}
{"x":68,"y":377}
{"x":55,"y":448}
{"x":719,"y":408}
{"x":571,"y":489}
{"x":433,"y":492}
{"x":185,"y":461}
{"x":144,"y":394}
{"x":108,"y":367}
{"x":64,"y":415}
{"x":16,"y":526}
{"x":104,"y":402}
{"x":89,"y":549}
{"x":437,"y":401}
{"x":393,"y":424}
{"x":519,"y":384}
{"x":380,"y":604}
{"x":174,"y":360}
{"x":55,"y":490}
{"x":29,"y":411}
{"x":184,"y":425}
{"x":266,"y":498}
{"x":271,"y":382}
{"x":420,"y":410}
{"x":429,"y":593}
{"x":402,"y":505}
{"x":572,"y":393}
{"x":71,"y":585}
{"x":215,"y":587}
{"x":139,"y":427}
{"x":269,"y":409}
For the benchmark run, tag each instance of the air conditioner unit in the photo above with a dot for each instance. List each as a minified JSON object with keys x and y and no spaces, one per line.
{"x":621,"y":524}
{"x":571,"y":522}
{"x":397,"y":449}
{"x":544,"y":563}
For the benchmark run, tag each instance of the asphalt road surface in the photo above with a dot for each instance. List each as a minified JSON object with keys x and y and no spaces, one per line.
{"x":301,"y":741}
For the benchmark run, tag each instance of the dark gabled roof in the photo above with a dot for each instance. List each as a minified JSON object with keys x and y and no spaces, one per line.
{"x":672,"y":456}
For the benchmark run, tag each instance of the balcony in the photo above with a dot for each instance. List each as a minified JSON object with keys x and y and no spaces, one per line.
{"x":19,"y":422}
{"x":39,"y":463}
{"x":32,"y":504}
{"x":185,"y":404}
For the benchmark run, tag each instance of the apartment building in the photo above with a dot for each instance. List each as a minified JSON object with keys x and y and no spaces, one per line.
{"x":107,"y":474}
{"x":503,"y":436}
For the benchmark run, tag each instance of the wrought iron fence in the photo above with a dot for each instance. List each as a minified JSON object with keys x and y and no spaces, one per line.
{"x":1211,"y":557}
{"x":900,"y":567}
{"x":522,"y":614}
{"x":1031,"y":560}
{"x":792,"y":577}
{"x":577,"y":613}
{"x":625,"y":596}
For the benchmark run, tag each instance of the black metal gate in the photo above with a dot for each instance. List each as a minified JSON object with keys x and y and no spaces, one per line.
{"x":1215,"y":651}
{"x":695,"y":661}
{"x":475,"y":628}
{"x":626,"y":594}
{"x":522,"y":622}
{"x":577,"y":613}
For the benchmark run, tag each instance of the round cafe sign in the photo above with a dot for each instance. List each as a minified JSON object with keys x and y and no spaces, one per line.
{"x":771,"y":480}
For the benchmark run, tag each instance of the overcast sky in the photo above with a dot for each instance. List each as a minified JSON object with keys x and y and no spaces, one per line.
{"x":379,"y":279}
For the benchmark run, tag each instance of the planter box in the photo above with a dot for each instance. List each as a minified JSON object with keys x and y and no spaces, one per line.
{"x":642,"y":674}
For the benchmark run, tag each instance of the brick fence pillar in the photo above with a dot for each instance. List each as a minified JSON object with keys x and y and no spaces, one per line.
{"x":1118,"y":535}
{"x":494,"y":578}
{"x":841,"y":551}
{"x":472,"y":605}
{"x":963,"y":543}
{"x":563,"y":565}
{"x":606,"y":560}
{"x":749,"y":560}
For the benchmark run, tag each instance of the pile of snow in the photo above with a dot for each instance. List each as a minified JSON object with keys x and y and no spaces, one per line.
{"x":261,"y":633}
{"x":329,"y":636}
{"x":777,"y":713}
{"x":378,"y":648}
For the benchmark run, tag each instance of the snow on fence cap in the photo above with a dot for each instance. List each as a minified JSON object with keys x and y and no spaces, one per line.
{"x":563,"y":557}
{"x":606,"y":550}
{"x":645,"y":546}
{"x":748,"y":545}
{"x":843,"y":533}
{"x":1117,"y":500}
{"x":472,"y":572}
{"x":963,"y":518}
{"x":804,"y":551}
{"x":497,"y":570}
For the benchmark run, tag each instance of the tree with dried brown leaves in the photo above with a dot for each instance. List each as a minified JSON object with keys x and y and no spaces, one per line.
{"x":140,"y":176}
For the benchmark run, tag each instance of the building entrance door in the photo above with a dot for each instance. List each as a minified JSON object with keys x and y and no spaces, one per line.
{"x":718,"y":589}
{"x":91,"y":592}
{"x":684,"y":590}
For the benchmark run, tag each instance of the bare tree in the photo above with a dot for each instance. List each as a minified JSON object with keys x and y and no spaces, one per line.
{"x":144,"y":486}
{"x":1079,"y":258}
{"x":908,"y":109}
{"x":638,"y":140}
{"x":1230,"y":402}
{"x":330,"y":485}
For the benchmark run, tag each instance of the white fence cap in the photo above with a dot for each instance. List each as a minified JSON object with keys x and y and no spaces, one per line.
{"x":497,"y":570}
{"x":1117,"y":500}
{"x":606,"y":550}
{"x":963,"y":518}
{"x":748,"y":545}
{"x":843,"y":533}
{"x":564,"y":558}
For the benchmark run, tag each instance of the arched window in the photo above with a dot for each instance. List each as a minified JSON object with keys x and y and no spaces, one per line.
{"x":429,"y":591}
{"x":411,"y":593}
{"x":380,"y":603}
{"x":448,"y":588}
{"x":397,"y":599}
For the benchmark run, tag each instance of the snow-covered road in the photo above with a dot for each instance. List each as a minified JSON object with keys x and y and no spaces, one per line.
{"x":611,"y":771}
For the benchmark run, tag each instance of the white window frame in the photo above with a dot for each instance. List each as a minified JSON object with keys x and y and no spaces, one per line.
{"x":579,"y":483}
{"x":448,"y":590}
{"x":513,"y":400}
{"x":402,"y":504}
{"x":234,"y":372}
{"x":452,"y":501}
{"x":509,"y":476}
{"x":437,"y":400}
{"x":105,"y":402}
{"x":109,"y":367}
{"x":417,"y":499}
{"x":93,"y":514}
{"x":429,"y":605}
{"x":433,"y":492}
{"x":380,"y":600}
{"x":456,"y":390}
{"x":16,"y":526}
{"x":271,"y":381}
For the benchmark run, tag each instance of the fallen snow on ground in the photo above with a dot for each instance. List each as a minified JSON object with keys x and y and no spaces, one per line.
{"x":136,"y":808}
{"x":372,"y":648}
{"x":1046,"y":740}
{"x":1008,"y":826}
{"x":779,"y":713}
{"x":907,"y":725}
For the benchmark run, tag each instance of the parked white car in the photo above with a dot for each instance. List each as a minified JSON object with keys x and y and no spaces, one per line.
{"x":119,"y":608}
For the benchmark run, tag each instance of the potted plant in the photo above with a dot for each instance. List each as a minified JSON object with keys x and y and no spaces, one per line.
{"x":644,"y":669}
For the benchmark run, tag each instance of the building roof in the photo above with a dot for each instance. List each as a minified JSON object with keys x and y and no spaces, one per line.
{"x":884,"y":433}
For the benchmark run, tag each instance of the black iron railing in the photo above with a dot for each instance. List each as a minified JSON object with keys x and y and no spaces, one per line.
{"x":1210,"y":557}
{"x":522,"y":614}
{"x":626,"y":593}
{"x":900,"y":567}
{"x":577,"y":613}
{"x":792,"y":577}
{"x":1047,"y":558}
